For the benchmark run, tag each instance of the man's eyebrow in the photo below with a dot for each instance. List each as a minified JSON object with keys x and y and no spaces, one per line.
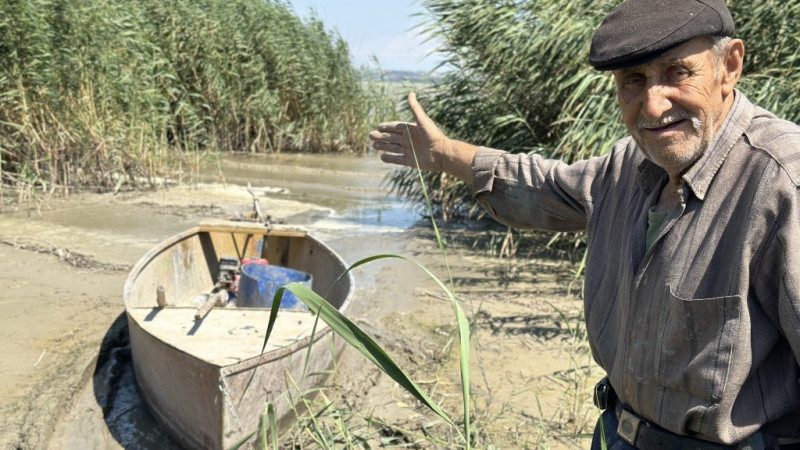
{"x":627,"y":71}
{"x":665,"y":60}
{"x":670,"y":60}
{"x":671,"y":57}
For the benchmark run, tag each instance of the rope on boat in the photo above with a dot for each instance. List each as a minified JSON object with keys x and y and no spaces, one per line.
{"x":223,"y":386}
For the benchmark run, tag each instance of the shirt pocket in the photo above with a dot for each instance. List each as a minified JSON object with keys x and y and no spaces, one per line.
{"x":696,"y":344}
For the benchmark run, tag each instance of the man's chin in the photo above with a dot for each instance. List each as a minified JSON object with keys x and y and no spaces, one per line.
{"x":677,"y":167}
{"x":673,"y":160}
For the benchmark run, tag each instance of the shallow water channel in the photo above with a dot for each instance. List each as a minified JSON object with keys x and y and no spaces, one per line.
{"x":342,"y":199}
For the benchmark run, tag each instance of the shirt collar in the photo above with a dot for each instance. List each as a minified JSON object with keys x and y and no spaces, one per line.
{"x":702,"y":172}
{"x":651,"y":176}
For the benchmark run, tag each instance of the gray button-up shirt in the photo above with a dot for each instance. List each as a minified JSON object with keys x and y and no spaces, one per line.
{"x":700,"y":334}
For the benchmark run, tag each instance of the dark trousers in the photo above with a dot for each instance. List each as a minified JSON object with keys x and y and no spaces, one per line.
{"x":608,"y":423}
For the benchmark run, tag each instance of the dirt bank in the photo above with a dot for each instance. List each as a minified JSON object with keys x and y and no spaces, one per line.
{"x":531,"y":370}
{"x":61,"y":293}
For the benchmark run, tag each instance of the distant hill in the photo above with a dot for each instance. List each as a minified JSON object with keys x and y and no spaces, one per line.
{"x":400,"y":76}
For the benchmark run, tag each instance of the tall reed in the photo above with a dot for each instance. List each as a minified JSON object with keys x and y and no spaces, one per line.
{"x":92,"y":92}
{"x":521,"y":81}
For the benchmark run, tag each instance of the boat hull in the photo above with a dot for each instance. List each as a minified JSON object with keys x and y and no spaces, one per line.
{"x":207,"y":381}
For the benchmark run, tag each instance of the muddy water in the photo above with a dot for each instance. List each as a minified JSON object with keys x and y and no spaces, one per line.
{"x":341,"y":199}
{"x":351,"y":192}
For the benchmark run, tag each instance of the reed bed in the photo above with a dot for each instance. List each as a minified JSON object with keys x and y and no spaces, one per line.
{"x":521,"y":81}
{"x":99,"y":93}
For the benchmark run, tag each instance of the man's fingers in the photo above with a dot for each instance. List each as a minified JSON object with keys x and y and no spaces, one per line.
{"x":419,"y":114}
{"x":385,"y":137}
{"x":393,"y":127}
{"x":394,"y":132}
{"x":393,"y":158}
{"x":390,"y":147}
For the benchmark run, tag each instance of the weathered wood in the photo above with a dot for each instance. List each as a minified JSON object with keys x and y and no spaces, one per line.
{"x":243,"y":336}
{"x":250,"y":228}
{"x":216,"y":299}
{"x":193,"y":373}
{"x":161,"y":298}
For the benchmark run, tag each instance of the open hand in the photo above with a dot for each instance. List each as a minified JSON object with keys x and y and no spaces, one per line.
{"x":400,"y":140}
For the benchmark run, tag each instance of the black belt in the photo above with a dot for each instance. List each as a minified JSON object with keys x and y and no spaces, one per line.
{"x":643,"y":435}
{"x":646,"y":436}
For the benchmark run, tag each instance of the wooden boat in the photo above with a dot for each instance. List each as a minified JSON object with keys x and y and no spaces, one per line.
{"x":192,"y":373}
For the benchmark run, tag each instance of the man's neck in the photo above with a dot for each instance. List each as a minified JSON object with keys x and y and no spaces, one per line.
{"x":670,"y":196}
{"x":672,"y":191}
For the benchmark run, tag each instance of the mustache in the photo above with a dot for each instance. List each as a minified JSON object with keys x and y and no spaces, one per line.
{"x":667,"y":119}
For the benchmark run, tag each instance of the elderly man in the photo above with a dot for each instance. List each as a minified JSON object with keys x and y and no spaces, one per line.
{"x":692,"y":290}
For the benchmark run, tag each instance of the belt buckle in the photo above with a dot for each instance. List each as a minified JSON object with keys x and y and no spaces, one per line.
{"x":628,"y":427}
{"x":601,"y":391}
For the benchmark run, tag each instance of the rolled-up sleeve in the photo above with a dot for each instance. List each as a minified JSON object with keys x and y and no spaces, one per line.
{"x":528,"y":191}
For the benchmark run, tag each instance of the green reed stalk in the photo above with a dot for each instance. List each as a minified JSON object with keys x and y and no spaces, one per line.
{"x":362,"y":342}
{"x":354,"y":336}
{"x":267,"y":423}
{"x":359,"y":340}
{"x":461,"y":318}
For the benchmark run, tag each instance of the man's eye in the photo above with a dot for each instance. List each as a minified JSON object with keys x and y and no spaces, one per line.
{"x":679,"y":73}
{"x":633,"y":81}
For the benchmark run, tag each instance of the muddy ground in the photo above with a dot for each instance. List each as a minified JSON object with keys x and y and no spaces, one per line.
{"x":531,"y":370}
{"x":61,"y":289}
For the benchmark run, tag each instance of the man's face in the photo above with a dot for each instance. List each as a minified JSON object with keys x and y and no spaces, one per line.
{"x":674,"y":104}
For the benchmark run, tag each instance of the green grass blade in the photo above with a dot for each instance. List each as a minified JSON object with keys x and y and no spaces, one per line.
{"x":272,"y":428}
{"x":603,"y":444}
{"x":273,"y":315}
{"x":463,"y":324}
{"x":353,"y":335}
{"x":238,"y":444}
{"x":461,"y":318}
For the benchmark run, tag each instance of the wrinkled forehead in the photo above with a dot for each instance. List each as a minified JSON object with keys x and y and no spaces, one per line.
{"x":695,"y":52}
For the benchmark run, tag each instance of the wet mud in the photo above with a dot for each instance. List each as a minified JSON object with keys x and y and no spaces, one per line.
{"x":67,"y":382}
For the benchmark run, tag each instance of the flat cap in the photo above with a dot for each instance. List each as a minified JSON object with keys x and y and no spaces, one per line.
{"x":638,"y":31}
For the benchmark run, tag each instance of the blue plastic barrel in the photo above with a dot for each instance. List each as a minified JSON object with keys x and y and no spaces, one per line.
{"x":258,"y":284}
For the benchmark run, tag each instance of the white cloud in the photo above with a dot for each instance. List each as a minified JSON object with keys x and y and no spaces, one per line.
{"x":408,"y":51}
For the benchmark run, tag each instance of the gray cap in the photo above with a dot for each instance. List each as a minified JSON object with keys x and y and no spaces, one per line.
{"x":638,"y":31}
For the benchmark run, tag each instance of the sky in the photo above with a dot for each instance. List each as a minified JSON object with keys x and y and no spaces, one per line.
{"x":378,"y":28}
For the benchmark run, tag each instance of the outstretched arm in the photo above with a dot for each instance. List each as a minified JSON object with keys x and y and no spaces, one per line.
{"x":435,"y":152}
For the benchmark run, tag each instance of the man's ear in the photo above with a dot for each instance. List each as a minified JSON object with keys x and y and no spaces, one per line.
{"x":732,"y":66}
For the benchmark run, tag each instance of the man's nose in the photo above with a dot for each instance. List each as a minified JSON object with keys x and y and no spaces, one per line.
{"x":657,"y":102}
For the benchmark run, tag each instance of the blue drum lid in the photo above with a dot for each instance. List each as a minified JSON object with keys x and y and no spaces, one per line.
{"x":258,"y":284}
